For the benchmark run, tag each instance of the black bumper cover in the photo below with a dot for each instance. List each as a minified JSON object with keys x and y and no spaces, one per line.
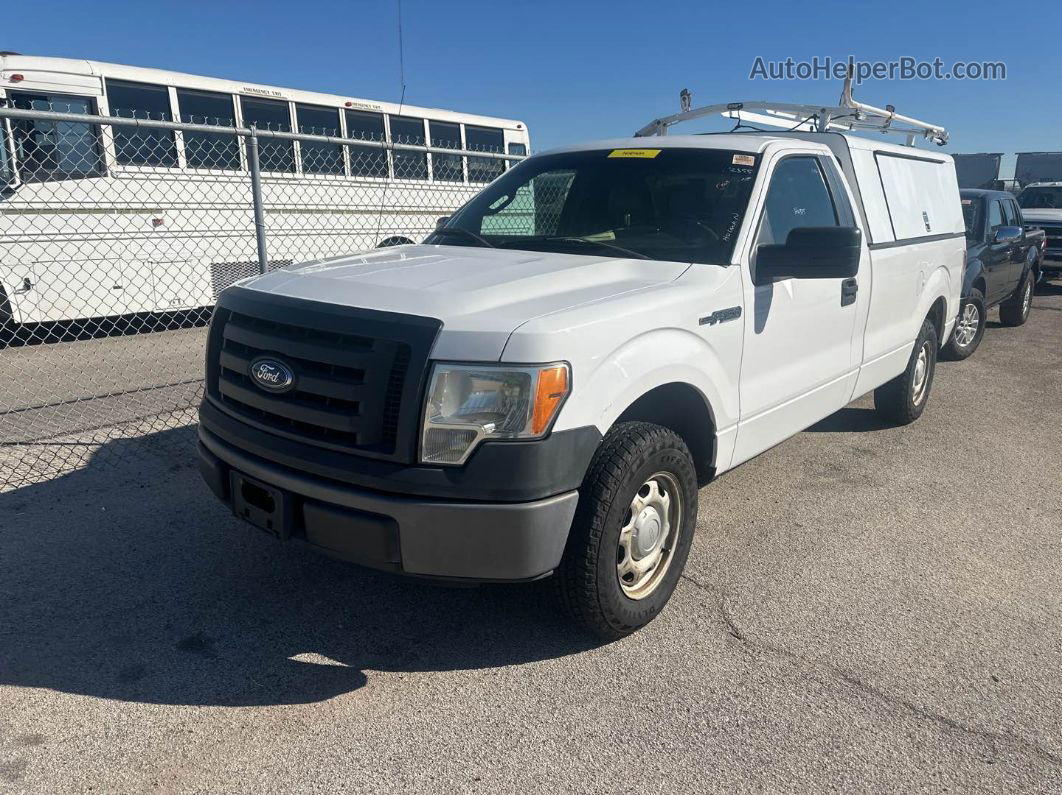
{"x":504,"y":516}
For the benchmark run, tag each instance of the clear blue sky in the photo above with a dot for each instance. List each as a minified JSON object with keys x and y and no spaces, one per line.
{"x":576,"y":70}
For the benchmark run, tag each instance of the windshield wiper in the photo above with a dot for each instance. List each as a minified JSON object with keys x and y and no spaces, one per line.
{"x":580,"y":240}
{"x":453,"y":231}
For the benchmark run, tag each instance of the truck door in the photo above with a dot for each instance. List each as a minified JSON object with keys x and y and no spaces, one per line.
{"x":1016,"y":266}
{"x":800,"y":359}
{"x":997,"y":256}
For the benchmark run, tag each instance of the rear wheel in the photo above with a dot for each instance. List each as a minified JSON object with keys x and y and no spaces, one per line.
{"x":632,"y":530}
{"x":903,"y":399}
{"x":1015,"y":310}
{"x":394,"y":241}
{"x":969,"y":328}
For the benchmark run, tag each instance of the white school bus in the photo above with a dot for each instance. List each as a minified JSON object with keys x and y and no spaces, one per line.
{"x":102,"y":219}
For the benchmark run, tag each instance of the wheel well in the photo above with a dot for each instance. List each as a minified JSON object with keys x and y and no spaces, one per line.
{"x":394,"y":240}
{"x":936,"y":316}
{"x":981,"y":285}
{"x":684,"y":410}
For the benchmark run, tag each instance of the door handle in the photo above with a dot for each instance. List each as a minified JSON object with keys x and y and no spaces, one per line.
{"x":849,"y":288}
{"x":27,"y":285}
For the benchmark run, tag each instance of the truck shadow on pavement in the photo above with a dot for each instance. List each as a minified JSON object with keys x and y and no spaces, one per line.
{"x":850,"y":419}
{"x":127,"y":580}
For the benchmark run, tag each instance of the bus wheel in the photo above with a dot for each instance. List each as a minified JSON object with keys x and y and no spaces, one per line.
{"x":395,"y":241}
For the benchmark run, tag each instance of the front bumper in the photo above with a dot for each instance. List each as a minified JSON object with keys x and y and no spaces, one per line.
{"x":1052,"y":261}
{"x":442,"y":538}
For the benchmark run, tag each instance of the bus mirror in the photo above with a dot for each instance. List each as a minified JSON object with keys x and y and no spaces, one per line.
{"x":441,"y":222}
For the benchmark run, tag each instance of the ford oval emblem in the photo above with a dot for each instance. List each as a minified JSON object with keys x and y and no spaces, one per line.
{"x":272,"y":375}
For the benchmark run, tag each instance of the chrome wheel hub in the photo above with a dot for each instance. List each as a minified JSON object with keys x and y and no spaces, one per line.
{"x":921,"y":374}
{"x":648,"y":536}
{"x":1026,"y":299}
{"x":966,"y":329}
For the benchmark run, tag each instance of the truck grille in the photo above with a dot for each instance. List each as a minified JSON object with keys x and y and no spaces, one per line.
{"x":1054,"y":238}
{"x":354,"y":386}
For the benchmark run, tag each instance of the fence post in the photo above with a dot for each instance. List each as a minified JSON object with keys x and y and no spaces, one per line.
{"x":256,"y":200}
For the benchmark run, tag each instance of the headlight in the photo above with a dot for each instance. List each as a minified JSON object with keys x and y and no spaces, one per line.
{"x":469,"y":403}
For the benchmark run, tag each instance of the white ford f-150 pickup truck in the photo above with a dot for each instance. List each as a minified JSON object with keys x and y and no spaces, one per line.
{"x":542,"y":387}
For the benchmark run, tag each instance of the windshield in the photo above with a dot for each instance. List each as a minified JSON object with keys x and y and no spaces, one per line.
{"x":1041,"y":199}
{"x":682,"y":205}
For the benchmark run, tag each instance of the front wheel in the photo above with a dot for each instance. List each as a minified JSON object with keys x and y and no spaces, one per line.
{"x":632,"y":530}
{"x":969,"y":328}
{"x":903,"y":399}
{"x":1015,"y":310}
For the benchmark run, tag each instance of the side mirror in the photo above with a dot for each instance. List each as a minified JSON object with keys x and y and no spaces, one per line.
{"x":441,"y":222}
{"x":811,"y":252}
{"x":1008,"y":234}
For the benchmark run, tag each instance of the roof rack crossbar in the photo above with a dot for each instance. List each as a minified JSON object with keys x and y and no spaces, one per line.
{"x":848,"y":114}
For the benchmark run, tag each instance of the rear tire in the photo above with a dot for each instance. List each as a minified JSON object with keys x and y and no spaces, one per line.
{"x":902,"y":400}
{"x":969,"y":328}
{"x":1015,"y":310}
{"x":632,"y":530}
{"x":394,"y":241}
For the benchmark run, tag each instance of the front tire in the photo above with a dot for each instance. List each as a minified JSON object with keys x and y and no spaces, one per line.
{"x":902,"y":400}
{"x":632,"y":530}
{"x":1015,"y":310}
{"x":969,"y":329}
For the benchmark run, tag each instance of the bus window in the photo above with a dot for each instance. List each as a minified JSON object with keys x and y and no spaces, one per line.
{"x":207,"y":149}
{"x":366,"y":161}
{"x":484,"y":139}
{"x":270,"y":114}
{"x":137,"y":147}
{"x":409,"y":165}
{"x":446,"y":168}
{"x":319,"y":158}
{"x":54,"y":150}
{"x":515,"y":149}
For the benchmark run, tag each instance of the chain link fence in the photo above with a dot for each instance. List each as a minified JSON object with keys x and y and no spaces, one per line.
{"x":117,"y":235}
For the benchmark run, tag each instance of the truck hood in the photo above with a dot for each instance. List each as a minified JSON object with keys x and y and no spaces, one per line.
{"x":480,"y":294}
{"x":1042,"y":216}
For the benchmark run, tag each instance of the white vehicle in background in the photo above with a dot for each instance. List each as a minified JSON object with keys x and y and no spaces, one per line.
{"x":541,"y":388}
{"x":1041,"y":205}
{"x":101,"y":220}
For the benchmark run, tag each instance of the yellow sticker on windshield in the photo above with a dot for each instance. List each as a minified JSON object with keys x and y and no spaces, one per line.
{"x":634,"y":153}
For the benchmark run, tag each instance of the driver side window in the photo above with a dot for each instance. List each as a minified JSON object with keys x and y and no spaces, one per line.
{"x":797,"y":197}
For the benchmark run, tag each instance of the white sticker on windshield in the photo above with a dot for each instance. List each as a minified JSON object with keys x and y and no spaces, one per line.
{"x":743,"y":160}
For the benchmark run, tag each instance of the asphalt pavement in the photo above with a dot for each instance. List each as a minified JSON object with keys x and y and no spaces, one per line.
{"x":865,"y":607}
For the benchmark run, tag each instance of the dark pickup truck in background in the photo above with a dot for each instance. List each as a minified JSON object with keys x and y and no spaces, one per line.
{"x":1003,"y":258}
{"x":1041,"y":204}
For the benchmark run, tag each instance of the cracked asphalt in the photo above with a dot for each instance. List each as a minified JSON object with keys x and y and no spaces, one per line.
{"x":865,"y":608}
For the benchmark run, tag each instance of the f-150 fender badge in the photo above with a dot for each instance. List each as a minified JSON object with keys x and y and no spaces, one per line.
{"x":721,"y":316}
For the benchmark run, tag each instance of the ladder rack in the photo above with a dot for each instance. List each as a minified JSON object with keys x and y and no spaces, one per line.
{"x":847,"y":115}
